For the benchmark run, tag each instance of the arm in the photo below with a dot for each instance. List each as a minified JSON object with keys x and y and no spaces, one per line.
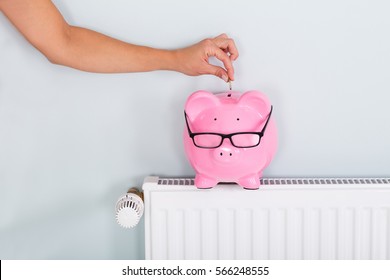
{"x":43,"y":26}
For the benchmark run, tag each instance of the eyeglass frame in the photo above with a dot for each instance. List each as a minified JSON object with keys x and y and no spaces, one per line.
{"x":229,"y":136}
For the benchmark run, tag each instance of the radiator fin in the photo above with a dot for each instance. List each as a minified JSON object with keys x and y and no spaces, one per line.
{"x":273,"y":234}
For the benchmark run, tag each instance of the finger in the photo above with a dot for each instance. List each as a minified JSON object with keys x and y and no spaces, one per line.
{"x":227,"y":44}
{"x":224,"y":58}
{"x":232,"y":49}
{"x":223,"y":35}
{"x":217,"y":71}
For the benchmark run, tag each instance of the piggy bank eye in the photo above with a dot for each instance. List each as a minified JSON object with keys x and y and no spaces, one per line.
{"x":215,"y":119}
{"x":238,"y":119}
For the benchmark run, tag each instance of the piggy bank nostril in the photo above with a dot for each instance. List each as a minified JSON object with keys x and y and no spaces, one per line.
{"x":221,"y":154}
{"x":230,"y":154}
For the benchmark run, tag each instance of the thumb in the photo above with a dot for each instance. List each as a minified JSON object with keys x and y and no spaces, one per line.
{"x":217,"y":71}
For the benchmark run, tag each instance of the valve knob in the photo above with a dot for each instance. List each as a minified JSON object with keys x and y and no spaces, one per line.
{"x":129,"y":208}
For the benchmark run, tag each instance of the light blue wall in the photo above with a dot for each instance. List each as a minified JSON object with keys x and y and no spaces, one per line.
{"x":72,"y":142}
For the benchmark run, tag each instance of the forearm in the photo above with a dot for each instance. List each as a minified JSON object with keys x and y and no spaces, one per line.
{"x":90,"y":51}
{"x":42,"y":24}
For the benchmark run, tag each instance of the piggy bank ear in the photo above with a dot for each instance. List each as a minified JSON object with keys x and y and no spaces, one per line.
{"x":199,"y":101}
{"x":257,"y":101}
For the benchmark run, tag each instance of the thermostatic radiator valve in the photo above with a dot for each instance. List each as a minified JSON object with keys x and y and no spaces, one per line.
{"x":130,"y":208}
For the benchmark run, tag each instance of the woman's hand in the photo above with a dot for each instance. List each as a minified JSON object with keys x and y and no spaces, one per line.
{"x":194,"y":60}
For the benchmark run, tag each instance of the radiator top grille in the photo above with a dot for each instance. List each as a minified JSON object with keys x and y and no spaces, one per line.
{"x":289,"y":181}
{"x":176,"y":181}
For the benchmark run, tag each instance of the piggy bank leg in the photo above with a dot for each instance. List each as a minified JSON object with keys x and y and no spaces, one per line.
{"x":203,"y":182}
{"x":251,"y":182}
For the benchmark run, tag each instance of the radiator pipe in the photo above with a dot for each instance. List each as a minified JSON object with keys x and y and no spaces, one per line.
{"x":136,"y":191}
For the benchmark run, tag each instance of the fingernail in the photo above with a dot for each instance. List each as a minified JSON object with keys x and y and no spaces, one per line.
{"x":225,"y":78}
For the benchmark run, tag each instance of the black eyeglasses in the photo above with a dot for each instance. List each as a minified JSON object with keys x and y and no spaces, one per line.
{"x":211,"y":140}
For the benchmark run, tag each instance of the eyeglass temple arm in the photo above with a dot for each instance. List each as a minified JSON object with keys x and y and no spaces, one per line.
{"x":269,"y":116}
{"x":188,"y":126}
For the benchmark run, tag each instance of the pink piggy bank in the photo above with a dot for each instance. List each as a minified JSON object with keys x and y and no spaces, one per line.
{"x":229,"y":137}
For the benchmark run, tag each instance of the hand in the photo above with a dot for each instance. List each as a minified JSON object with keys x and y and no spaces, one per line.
{"x":194,"y":60}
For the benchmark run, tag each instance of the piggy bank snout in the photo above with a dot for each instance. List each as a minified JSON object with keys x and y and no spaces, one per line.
{"x":226,"y":154}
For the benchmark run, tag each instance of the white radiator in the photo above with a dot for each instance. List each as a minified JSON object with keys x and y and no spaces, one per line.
{"x":344,"y":218}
